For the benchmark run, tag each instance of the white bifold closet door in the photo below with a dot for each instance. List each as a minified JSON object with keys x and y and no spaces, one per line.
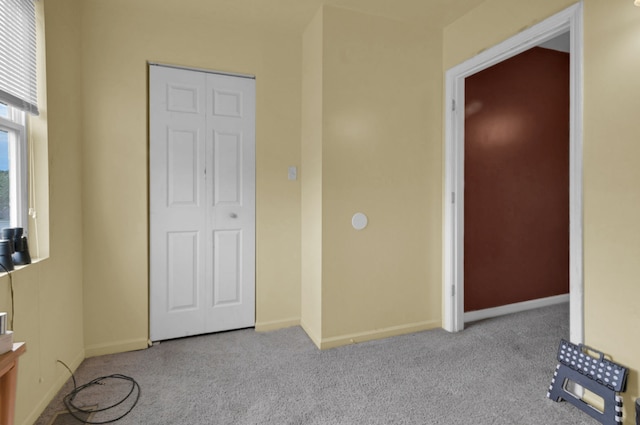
{"x":202,"y":202}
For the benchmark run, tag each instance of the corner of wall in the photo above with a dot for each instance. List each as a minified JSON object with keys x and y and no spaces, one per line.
{"x":311,"y":188}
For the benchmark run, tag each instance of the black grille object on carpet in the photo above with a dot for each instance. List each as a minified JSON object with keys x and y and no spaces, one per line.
{"x":596,"y":374}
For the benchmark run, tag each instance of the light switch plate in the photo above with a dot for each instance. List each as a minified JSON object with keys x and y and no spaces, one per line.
{"x":293,"y":173}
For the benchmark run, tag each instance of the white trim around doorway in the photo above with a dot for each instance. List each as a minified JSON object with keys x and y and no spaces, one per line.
{"x":569,"y":20}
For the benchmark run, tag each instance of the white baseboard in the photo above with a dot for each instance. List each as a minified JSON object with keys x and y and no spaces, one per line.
{"x":116,"y":347}
{"x":472,"y":316}
{"x":277,"y":324}
{"x":356,"y":338}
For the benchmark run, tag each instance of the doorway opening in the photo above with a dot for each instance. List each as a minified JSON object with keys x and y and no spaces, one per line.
{"x":568,"y":21}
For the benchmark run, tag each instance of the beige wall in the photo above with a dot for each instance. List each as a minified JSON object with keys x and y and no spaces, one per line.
{"x":118,"y":38}
{"x":372,"y":89}
{"x":381,"y":157}
{"x":90,"y":146}
{"x":380,"y":147}
{"x":611,"y":174}
{"x":492,"y":22}
{"x":611,"y":201}
{"x":48,"y":293}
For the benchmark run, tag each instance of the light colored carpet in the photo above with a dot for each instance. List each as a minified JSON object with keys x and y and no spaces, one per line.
{"x":495,"y":372}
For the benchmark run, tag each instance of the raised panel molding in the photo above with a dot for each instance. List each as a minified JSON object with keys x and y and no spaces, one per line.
{"x":182,"y":98}
{"x":182,"y":167}
{"x":228,"y":169}
{"x":227,"y":103}
{"x":182,"y":271}
{"x":227,"y":269}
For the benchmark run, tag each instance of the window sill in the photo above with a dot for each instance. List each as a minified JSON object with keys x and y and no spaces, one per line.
{"x":21,"y":267}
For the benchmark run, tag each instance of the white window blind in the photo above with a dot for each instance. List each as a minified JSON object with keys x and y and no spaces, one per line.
{"x":18,"y":54}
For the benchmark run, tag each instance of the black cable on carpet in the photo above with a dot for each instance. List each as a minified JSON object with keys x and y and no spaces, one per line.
{"x":134,"y":391}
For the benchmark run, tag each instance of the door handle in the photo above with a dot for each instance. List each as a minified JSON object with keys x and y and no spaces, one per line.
{"x":233,"y":215}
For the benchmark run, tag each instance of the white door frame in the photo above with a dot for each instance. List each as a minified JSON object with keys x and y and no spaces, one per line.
{"x":569,"y":19}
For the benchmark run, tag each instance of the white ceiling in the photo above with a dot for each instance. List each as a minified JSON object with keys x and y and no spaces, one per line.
{"x":561,"y":43}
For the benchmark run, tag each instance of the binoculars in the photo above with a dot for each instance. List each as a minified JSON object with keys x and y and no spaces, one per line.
{"x":13,"y":248}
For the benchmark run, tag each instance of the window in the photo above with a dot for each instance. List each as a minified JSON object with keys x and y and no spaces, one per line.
{"x":13,"y":166}
{"x":18,"y":96}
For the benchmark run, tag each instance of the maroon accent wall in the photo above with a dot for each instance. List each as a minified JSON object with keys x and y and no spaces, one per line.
{"x":516,"y":196}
